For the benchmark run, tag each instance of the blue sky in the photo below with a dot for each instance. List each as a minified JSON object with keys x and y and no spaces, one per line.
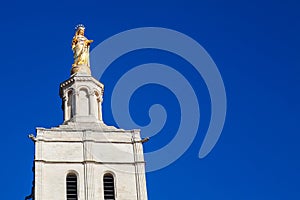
{"x":255,"y":45}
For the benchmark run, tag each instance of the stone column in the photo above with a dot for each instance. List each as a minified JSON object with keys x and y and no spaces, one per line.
{"x":65,"y":108}
{"x":99,"y":102}
{"x":75,"y":102}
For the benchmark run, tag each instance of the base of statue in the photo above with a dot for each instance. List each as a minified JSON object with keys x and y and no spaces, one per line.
{"x":83,"y":69}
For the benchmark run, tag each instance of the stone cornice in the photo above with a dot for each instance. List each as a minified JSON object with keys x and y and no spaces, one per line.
{"x":89,"y":161}
{"x":66,"y":140}
{"x":80,"y":78}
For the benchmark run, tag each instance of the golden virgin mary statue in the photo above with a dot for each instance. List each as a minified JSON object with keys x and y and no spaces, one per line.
{"x":81,"y":50}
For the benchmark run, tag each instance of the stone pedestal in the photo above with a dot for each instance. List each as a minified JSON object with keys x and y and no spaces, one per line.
{"x":82,"y":99}
{"x":83,"y":69}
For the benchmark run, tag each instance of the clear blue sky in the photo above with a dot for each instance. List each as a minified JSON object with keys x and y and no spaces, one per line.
{"x":255,"y":45}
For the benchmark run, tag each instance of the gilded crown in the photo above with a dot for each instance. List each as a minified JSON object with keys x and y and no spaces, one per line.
{"x":79,"y":26}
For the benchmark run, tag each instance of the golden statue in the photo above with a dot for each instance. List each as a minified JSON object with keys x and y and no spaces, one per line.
{"x":81,"y":50}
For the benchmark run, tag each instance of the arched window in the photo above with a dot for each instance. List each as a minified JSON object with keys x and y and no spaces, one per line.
{"x":71,"y":181}
{"x":83,"y":102}
{"x":109,"y":187}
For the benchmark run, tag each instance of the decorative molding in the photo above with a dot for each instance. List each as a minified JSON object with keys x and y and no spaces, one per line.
{"x":89,"y":161}
{"x":81,"y":79}
{"x":82,"y":141}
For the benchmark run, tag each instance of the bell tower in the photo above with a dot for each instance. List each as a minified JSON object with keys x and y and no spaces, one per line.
{"x":83,"y":158}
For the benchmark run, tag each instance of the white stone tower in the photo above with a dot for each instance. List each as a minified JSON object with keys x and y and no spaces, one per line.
{"x":84,"y":159}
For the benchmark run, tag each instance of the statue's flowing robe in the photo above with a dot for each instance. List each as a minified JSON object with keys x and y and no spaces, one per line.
{"x":81,"y":51}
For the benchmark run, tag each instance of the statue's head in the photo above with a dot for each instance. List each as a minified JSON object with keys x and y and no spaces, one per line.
{"x":80,"y":29}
